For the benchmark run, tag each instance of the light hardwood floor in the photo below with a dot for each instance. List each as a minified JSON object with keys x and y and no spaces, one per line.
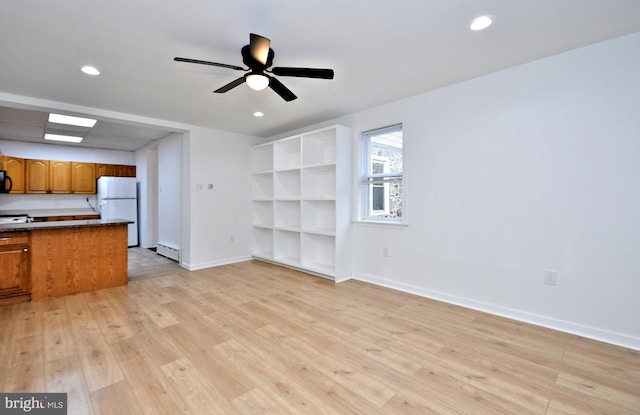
{"x":254,"y":338}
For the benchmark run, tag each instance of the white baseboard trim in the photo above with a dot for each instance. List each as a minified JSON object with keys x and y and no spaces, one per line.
{"x":618,"y":339}
{"x":226,"y":261}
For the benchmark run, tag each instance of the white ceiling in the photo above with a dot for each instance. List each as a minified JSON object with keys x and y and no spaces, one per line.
{"x":19,"y":124}
{"x":380,"y":50}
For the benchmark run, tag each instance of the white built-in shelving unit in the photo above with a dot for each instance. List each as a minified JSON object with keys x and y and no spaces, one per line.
{"x":301,"y":202}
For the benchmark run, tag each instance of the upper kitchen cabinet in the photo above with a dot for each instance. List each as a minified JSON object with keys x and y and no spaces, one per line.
{"x":106,"y":170}
{"x":126,"y":171}
{"x":60,"y":176}
{"x":47,"y":176}
{"x":15,"y":170}
{"x":83,"y":177}
{"x":37,"y":176}
{"x":115,"y":170}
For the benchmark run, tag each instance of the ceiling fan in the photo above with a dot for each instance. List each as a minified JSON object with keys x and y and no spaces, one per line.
{"x":258,"y":56}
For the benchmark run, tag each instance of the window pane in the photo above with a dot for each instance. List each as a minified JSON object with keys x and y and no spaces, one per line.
{"x":377,"y":198}
{"x":377,"y":167}
{"x":382,"y":176}
{"x":385,"y":199}
{"x":385,"y":152}
{"x":395,"y":199}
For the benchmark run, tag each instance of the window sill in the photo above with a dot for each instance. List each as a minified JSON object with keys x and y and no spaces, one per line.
{"x":380,"y":222}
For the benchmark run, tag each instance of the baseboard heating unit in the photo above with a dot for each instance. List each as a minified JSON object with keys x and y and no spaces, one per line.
{"x":169,"y":252}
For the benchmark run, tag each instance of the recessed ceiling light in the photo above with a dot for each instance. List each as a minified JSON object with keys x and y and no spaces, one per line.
{"x":65,"y":138}
{"x":258,"y":114}
{"x":481,"y":23}
{"x":70,"y":120}
{"x":90,"y":70}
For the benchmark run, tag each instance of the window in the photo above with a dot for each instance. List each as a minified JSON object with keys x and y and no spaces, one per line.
{"x":381,"y":185}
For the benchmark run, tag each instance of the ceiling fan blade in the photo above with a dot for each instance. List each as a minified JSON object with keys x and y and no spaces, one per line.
{"x":259,"y":47}
{"x":303,"y":72}
{"x":281,"y":90}
{"x":223,"y":65}
{"x":230,"y":85}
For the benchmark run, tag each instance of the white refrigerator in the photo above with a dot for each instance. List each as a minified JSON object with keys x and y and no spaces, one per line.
{"x":118,"y":199}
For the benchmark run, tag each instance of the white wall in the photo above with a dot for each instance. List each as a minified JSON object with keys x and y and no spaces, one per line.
{"x":219,"y":195}
{"x":527,"y":169}
{"x":56,"y":152}
{"x":146,"y":160}
{"x":169,"y":190}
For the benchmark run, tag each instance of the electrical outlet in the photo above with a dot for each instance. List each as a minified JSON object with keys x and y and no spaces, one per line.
{"x":550,"y":277}
{"x":385,"y":251}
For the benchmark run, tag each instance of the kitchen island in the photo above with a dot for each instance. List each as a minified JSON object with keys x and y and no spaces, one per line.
{"x":71,"y":257}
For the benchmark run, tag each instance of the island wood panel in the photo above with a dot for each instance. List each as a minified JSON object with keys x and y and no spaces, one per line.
{"x":14,"y":267}
{"x":72,"y":260}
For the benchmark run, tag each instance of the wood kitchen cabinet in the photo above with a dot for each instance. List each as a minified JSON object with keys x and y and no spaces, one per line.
{"x":83,"y":178}
{"x":47,"y":176}
{"x":60,"y":177}
{"x":106,"y":170}
{"x":15,"y":169}
{"x":36,"y":176}
{"x":15,"y":280}
{"x":115,"y":170}
{"x":126,"y":171}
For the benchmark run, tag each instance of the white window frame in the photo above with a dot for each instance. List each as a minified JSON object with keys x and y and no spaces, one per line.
{"x":364,"y":193}
{"x":385,"y":210}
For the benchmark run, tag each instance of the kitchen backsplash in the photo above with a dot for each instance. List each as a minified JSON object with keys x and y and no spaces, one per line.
{"x":48,"y":201}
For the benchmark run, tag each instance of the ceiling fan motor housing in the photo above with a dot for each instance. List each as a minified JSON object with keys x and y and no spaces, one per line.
{"x":253,"y":63}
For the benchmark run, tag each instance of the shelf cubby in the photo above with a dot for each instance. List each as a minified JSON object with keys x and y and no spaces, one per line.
{"x":319,"y":253}
{"x":319,"y":216}
{"x":262,"y":213}
{"x":287,"y":247}
{"x":287,"y":154}
{"x":287,"y":214}
{"x":319,"y":148}
{"x":262,"y":158}
{"x":319,"y":182}
{"x":262,"y":243}
{"x":286,"y":184}
{"x":262,"y":186}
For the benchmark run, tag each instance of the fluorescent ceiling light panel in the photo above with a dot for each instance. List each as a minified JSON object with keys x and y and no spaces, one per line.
{"x":65,"y":138}
{"x":70,"y":120}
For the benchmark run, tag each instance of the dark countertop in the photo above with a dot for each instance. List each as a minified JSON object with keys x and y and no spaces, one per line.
{"x":20,"y":227}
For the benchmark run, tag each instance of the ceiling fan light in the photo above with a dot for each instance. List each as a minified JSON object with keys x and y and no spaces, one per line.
{"x":257,"y":82}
